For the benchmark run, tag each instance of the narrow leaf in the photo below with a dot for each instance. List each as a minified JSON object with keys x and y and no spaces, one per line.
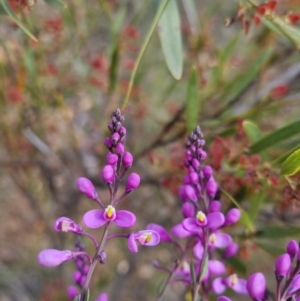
{"x":204,"y":269}
{"x":278,"y":232}
{"x":193,"y":274}
{"x":292,"y":164}
{"x":9,"y":12}
{"x":272,"y":249}
{"x":255,"y":203}
{"x":192,"y":105}
{"x":276,"y":136}
{"x":251,"y":130}
{"x":169,"y":29}
{"x":58,"y":4}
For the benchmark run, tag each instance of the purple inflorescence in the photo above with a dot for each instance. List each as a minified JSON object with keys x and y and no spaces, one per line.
{"x":202,"y":226}
{"x":119,"y":161}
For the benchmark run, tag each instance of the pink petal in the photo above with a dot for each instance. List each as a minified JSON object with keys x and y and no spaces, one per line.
{"x":124,"y":219}
{"x":53,"y":258}
{"x":163,"y":233}
{"x":155,"y":238}
{"x":216,"y":267}
{"x":180,"y":232}
{"x":94,"y":219}
{"x":215,"y":220}
{"x":132,"y":243}
{"x":240,"y":287}
{"x":198,"y":250}
{"x":223,"y":240}
{"x":190,"y":224}
{"x":218,"y":286}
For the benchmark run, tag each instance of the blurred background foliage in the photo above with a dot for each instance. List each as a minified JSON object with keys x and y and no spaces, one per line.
{"x":64,"y":67}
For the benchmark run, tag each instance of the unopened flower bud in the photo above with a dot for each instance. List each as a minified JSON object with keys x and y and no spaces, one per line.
{"x":188,"y":210}
{"x":110,"y":127}
{"x":215,"y":206}
{"x":256,"y":286}
{"x":115,"y":138}
{"x":64,"y":224}
{"x":194,"y":178}
{"x":108,"y":143}
{"x":76,"y":276}
{"x":127,"y":160}
{"x":120,"y":148}
{"x":203,"y":155}
{"x":232,"y":216}
{"x":102,"y":257}
{"x":85,"y":186}
{"x":207,"y":171}
{"x":53,"y":258}
{"x":133,"y":181}
{"x":108,"y":174}
{"x":282,"y":265}
{"x":231,"y":250}
{"x":122,"y":131}
{"x":292,"y":248}
{"x":112,"y":159}
{"x":211,"y":187}
{"x":117,"y":126}
{"x":72,"y":291}
{"x":196,"y":164}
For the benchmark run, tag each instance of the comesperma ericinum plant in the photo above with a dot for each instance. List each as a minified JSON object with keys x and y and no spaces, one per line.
{"x":119,"y":162}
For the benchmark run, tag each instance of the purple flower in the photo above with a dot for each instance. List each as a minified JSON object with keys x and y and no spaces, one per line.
{"x":211,"y":187}
{"x":216,"y":267}
{"x":64,"y":224}
{"x":294,"y":286}
{"x":97,"y":218}
{"x":53,"y":258}
{"x":256,"y":286}
{"x":163,"y":233}
{"x":144,"y":237}
{"x":108,"y":174}
{"x":282,"y":265}
{"x":207,"y":171}
{"x":188,"y":209}
{"x":212,"y":221}
{"x":85,"y":186}
{"x":120,"y":148}
{"x":180,"y":232}
{"x":231,"y":250}
{"x":215,"y":206}
{"x":133,"y":181}
{"x":238,"y":285}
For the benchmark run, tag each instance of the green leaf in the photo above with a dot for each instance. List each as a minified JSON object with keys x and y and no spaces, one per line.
{"x":270,"y":248}
{"x":255,"y":203}
{"x":58,"y":4}
{"x":251,"y":130}
{"x":278,"y":232}
{"x":204,"y":269}
{"x":241,"y":83}
{"x":113,"y":69}
{"x":280,"y":26}
{"x":6,"y":7}
{"x":292,"y":164}
{"x":192,"y":105}
{"x":237,"y":265}
{"x":193,"y":274}
{"x":276,"y":136}
{"x":169,"y":29}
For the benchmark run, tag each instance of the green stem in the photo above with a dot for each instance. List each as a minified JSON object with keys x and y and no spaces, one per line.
{"x":142,"y":51}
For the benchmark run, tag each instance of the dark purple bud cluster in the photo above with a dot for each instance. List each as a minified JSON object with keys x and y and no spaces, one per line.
{"x":119,"y":162}
{"x":202,"y":226}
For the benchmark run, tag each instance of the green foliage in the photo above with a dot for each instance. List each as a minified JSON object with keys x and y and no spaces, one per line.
{"x":276,"y":136}
{"x":292,"y":164}
{"x":252,"y":130}
{"x":276,"y":232}
{"x":192,"y":101}
{"x":169,"y":29}
{"x":58,"y":4}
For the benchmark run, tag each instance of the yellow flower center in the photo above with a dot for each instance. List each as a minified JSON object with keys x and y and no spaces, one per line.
{"x":201,"y":216}
{"x":233,"y":279}
{"x":110,"y":211}
{"x":212,"y":239}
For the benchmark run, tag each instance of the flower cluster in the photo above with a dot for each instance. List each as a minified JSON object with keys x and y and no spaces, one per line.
{"x":202,"y":227}
{"x":287,"y":278}
{"x":119,"y":161}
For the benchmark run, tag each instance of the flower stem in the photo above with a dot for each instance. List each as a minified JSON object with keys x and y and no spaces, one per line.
{"x":94,"y":263}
